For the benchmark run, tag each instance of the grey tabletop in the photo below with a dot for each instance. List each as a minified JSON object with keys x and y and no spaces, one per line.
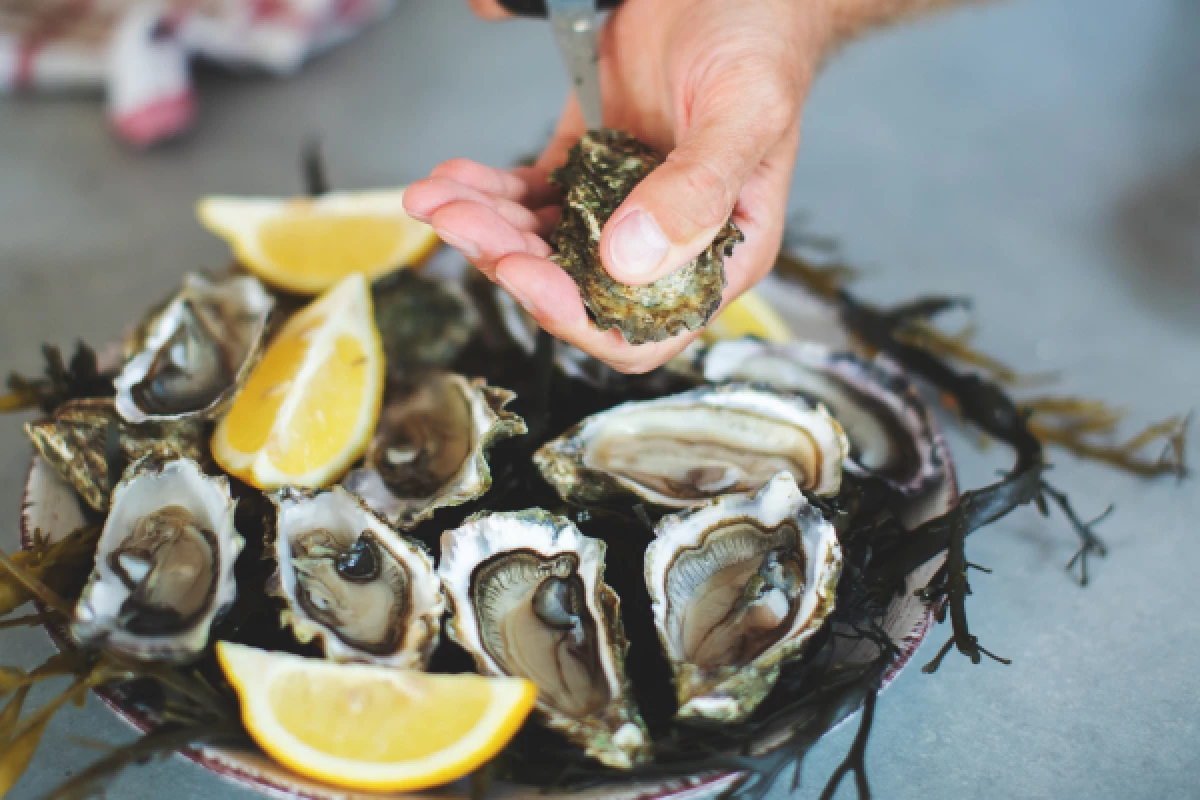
{"x":1041,"y":157}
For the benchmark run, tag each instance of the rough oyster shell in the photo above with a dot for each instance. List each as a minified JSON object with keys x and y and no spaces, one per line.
{"x":886,"y":422}
{"x":684,"y":449}
{"x":422,"y":323}
{"x":74,"y":440}
{"x":429,"y":449}
{"x":600,"y":172}
{"x":164,"y":563}
{"x":193,"y":354}
{"x":366,"y":593}
{"x":527,"y":599}
{"x":739,"y":585}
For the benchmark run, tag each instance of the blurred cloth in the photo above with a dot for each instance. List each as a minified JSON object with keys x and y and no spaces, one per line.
{"x":139,"y":51}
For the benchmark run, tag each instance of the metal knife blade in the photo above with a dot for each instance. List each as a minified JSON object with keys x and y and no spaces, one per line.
{"x":574,"y":26}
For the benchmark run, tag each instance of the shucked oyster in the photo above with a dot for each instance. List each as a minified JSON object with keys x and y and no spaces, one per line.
{"x":74,"y":440}
{"x":164,"y":563}
{"x":600,"y":172}
{"x":351,"y":582}
{"x":527,"y":599}
{"x":684,"y":449}
{"x":192,"y":355}
{"x":739,"y":585}
{"x":429,"y":449}
{"x":885,"y":421}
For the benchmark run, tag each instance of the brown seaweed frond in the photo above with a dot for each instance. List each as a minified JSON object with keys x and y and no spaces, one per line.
{"x":1087,"y":428}
{"x":19,"y":739}
{"x":159,"y":743}
{"x":823,"y":280}
{"x":193,"y":709}
{"x":59,"y":382}
{"x":59,"y":565}
{"x":28,"y":586}
{"x":957,"y":346}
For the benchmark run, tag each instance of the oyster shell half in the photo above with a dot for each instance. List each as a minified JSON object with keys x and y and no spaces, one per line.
{"x":886,"y":422}
{"x":528,"y":599}
{"x":600,"y":172}
{"x":738,"y":586}
{"x":366,"y":593}
{"x":430,"y":447}
{"x":684,"y":449}
{"x":164,"y":563}
{"x":74,"y":440}
{"x":193,"y":354}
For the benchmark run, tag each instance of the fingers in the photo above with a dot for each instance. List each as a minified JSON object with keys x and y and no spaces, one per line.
{"x":676,"y":211}
{"x":524,"y":185}
{"x":549,"y":294}
{"x":484,"y":236}
{"x":488,"y":9}
{"x":425,"y":197}
{"x":761,"y":213}
{"x":484,"y":212}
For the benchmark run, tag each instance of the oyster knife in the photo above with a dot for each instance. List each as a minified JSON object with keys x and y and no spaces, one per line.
{"x":574,"y":26}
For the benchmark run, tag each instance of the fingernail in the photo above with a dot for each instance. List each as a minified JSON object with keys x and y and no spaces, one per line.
{"x":638,"y":245}
{"x":464,"y":246}
{"x":419,"y":217}
{"x":516,"y":294}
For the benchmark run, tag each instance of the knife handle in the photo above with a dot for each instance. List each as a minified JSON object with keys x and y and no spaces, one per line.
{"x":537,"y":8}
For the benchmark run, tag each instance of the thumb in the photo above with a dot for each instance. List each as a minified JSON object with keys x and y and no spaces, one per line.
{"x":678,"y":209}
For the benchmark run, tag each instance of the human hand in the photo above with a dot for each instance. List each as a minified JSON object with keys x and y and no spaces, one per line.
{"x":716,"y":84}
{"x":488,"y":9}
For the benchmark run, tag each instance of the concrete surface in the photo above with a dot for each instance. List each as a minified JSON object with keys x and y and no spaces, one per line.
{"x":1042,"y":157}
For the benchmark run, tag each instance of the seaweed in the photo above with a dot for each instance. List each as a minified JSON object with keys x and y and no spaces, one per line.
{"x":189,"y":708}
{"x":60,"y":566}
{"x":193,"y":705}
{"x":60,"y":381}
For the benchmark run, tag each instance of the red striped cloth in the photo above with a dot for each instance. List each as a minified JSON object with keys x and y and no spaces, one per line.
{"x":138,"y":51}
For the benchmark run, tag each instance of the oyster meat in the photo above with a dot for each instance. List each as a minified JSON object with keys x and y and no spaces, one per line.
{"x":430,"y":447}
{"x":74,"y":441}
{"x":190,"y":357}
{"x":684,"y":449}
{"x":738,"y":586}
{"x":600,"y":172}
{"x":164,"y":563}
{"x":886,"y":422}
{"x":366,"y":593}
{"x":528,"y":599}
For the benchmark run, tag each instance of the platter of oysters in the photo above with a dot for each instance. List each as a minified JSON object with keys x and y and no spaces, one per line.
{"x":669,"y":559}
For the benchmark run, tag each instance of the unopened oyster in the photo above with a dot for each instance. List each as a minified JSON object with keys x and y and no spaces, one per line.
{"x":75,"y":439}
{"x":528,"y":599}
{"x":164,"y":563}
{"x":429,"y":449}
{"x":520,"y":326}
{"x":600,"y":172}
{"x":684,"y":449}
{"x":191,"y":356}
{"x":365,"y":592}
{"x":739,"y":585}
{"x":423,"y":323}
{"x":886,"y":423}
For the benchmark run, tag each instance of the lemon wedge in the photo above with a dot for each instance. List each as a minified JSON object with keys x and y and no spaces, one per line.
{"x":748,"y":315}
{"x":306,"y":245}
{"x":309,"y":407}
{"x":369,"y":727}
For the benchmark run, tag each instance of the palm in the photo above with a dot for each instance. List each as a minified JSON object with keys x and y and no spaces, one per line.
{"x":659,"y":77}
